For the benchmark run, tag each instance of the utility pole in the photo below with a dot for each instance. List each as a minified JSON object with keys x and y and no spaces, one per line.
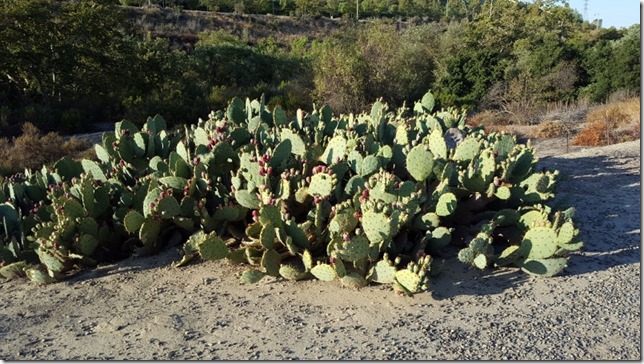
{"x":586,"y":10}
{"x":357,"y":9}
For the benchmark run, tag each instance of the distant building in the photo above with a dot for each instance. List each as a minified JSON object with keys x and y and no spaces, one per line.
{"x":597,"y":23}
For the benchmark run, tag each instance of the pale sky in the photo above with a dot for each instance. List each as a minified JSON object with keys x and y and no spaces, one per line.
{"x":614,"y":13}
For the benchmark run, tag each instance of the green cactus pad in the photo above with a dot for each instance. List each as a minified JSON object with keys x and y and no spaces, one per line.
{"x":339,"y":267}
{"x":437,"y":144}
{"x":281,"y":153}
{"x":503,"y":193}
{"x":335,"y":149}
{"x":510,"y":255}
{"x":504,"y":146}
{"x":14,"y":270}
{"x":544,"y":267}
{"x":149,"y":232}
{"x":343,"y":222}
{"x":408,"y":279}
{"x":291,"y":273}
{"x":176,"y":183}
{"x":541,"y":242}
{"x":271,"y":262}
{"x":271,"y":214}
{"x":466,"y":255}
{"x":297,"y":234}
{"x":72,"y":209}
{"x":247,"y":199}
{"x":480,"y":261}
{"x":87,"y":244}
{"x":353,"y":280}
{"x":532,"y":218}
{"x":370,"y":164}
{"x":324,"y":272}
{"x":307,"y":260}
{"x":427,"y":221}
{"x":212,"y":248}
{"x":376,"y":226}
{"x":420,"y":162}
{"x":150,"y":197}
{"x":251,"y":276}
{"x":353,"y":185}
{"x":169,"y":207}
{"x":91,"y":167}
{"x":54,"y":264}
{"x":441,"y":236}
{"x":267,"y":236}
{"x":322,"y":184}
{"x":446,"y":204}
{"x":356,"y":249}
{"x":467,"y":150}
{"x":279,"y":116}
{"x":566,"y":234}
{"x":298,"y":147}
{"x":38,"y":276}
{"x":383,"y":272}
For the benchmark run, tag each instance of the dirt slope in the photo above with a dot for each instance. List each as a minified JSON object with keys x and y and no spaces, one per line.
{"x":145,"y":309}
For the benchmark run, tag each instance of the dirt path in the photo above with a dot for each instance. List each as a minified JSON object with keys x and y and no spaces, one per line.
{"x":146,"y":309}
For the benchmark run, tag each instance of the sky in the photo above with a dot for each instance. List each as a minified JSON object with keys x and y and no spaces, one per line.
{"x":614,"y":13}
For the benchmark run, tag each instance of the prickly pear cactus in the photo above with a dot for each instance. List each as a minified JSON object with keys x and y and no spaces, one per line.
{"x":360,"y":199}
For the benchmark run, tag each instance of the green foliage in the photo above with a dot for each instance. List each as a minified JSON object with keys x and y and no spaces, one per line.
{"x":236,"y":186}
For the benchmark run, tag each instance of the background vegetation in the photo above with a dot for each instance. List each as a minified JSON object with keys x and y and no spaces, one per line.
{"x":68,"y":64}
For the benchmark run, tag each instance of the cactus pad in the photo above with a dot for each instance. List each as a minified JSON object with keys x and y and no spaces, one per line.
{"x":383,"y":272}
{"x":251,"y":276}
{"x":291,"y":273}
{"x":544,"y":267}
{"x":324,"y":272}
{"x":467,"y":150}
{"x":446,"y":204}
{"x":408,"y":279}
{"x":541,"y":242}
{"x":322,"y":184}
{"x":212,"y":248}
{"x":376,"y":226}
{"x":420,"y":162}
{"x":353,"y":280}
{"x":355,"y":249}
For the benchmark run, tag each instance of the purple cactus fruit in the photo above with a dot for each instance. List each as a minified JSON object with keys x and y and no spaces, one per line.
{"x":357,"y":214}
{"x":262,"y":172}
{"x":346,"y":237}
{"x":266,"y":158}
{"x":255,"y":213}
{"x":269,"y":171}
{"x":261,"y":163}
{"x":121,"y":163}
{"x":316,"y":200}
{"x":162,"y":195}
{"x":196,"y":160}
{"x":331,"y":260}
{"x":200,"y":205}
{"x":496,"y":154}
{"x":365,"y":193}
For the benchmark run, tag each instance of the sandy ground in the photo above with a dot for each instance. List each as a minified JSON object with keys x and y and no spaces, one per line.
{"x":143,"y":308}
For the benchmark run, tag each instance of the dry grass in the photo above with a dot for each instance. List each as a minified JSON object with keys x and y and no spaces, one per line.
{"x":32,"y":150}
{"x":551,"y":129}
{"x":612,"y":123}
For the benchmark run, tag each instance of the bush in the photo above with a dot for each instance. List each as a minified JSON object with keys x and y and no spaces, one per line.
{"x":611,"y":123}
{"x":32,"y":150}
